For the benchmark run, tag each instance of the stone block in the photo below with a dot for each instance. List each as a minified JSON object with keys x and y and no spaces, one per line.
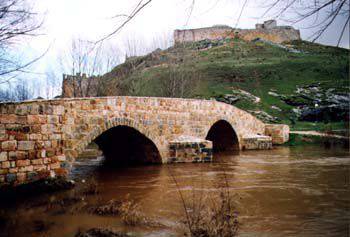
{"x":47,"y":128}
{"x":54,"y":143}
{"x":26,"y":145}
{"x":61,"y":158}
{"x":41,"y":153}
{"x":37,"y":162}
{"x":4,"y":171}
{"x":12,"y":155}
{"x":190,"y":149}
{"x":53,"y":119}
{"x":9,"y":145}
{"x":32,"y":154}
{"x":47,"y":160}
{"x":3,"y":156}
{"x":32,"y":176}
{"x":35,"y":128}
{"x":36,"y":119}
{"x":3,"y":134}
{"x":11,"y":178}
{"x":55,"y":136}
{"x":58,"y":110}
{"x":47,"y":144}
{"x":257,"y":142}
{"x":5,"y":164}
{"x":22,"y":155}
{"x":278,"y":132}
{"x":55,"y":165}
{"x":8,"y":118}
{"x":21,"y":177}
{"x":25,"y":168}
{"x":50,"y":152}
{"x":39,"y":167}
{"x":13,"y":170}
{"x":35,"y":136}
{"x":21,"y":163}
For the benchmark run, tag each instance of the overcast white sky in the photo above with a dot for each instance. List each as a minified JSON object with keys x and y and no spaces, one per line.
{"x":92,"y":19}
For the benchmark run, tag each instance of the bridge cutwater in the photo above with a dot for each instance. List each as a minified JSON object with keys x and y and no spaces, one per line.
{"x":42,"y":138}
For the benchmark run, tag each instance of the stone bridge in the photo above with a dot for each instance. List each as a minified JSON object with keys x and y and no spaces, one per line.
{"x":40,"y":139}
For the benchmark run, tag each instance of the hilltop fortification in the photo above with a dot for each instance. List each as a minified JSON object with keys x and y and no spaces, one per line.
{"x":80,"y":85}
{"x":268,"y":31}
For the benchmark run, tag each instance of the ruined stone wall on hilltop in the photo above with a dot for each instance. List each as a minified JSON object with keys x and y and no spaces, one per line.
{"x":268,"y":31}
{"x":80,"y":85}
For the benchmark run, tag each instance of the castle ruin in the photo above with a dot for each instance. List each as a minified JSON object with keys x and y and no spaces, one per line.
{"x":269,"y":30}
{"x":80,"y":85}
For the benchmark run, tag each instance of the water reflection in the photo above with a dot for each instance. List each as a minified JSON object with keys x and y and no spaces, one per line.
{"x":299,"y":191}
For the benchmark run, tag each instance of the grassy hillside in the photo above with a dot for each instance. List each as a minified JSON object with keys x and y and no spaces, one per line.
{"x":278,"y":76}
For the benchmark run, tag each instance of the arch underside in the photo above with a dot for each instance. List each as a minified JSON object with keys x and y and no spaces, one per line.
{"x":223,"y":136}
{"x":123,"y":145}
{"x":119,"y":134}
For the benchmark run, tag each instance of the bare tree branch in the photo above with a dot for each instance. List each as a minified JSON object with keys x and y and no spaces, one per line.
{"x":132,"y":15}
{"x":17,"y":21}
{"x":325,"y":13}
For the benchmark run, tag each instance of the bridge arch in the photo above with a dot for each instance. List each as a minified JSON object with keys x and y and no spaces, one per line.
{"x":223,"y":136}
{"x":117,"y":135}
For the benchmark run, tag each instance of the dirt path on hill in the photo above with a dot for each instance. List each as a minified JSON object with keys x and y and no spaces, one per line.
{"x":319,"y":134}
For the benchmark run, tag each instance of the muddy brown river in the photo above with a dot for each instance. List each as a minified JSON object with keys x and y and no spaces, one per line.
{"x":288,"y":191}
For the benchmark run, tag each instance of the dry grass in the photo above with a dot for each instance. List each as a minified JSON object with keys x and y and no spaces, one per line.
{"x":101,"y":232}
{"x":90,"y":187}
{"x":128,"y":210}
{"x":111,"y":208}
{"x":209,"y":215}
{"x":131,"y":214}
{"x":212,"y":217}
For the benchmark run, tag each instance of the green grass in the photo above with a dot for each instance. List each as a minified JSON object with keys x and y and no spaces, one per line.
{"x":255,"y":67}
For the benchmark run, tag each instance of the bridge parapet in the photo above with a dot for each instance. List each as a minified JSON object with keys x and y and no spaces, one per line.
{"x":42,"y":138}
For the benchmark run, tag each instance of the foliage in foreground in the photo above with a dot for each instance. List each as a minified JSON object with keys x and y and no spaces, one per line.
{"x":217,"y":218}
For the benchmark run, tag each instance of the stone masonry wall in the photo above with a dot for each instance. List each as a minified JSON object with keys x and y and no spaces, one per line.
{"x":268,"y":31}
{"x":41,"y":138}
{"x":80,"y":85}
{"x":188,"y":149}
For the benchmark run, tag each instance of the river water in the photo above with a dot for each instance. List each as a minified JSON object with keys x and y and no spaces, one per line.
{"x":288,"y":191}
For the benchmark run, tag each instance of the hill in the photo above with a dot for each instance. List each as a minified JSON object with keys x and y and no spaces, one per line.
{"x":303,"y":84}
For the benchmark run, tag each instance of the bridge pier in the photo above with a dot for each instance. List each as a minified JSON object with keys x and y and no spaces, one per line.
{"x":190,"y":149}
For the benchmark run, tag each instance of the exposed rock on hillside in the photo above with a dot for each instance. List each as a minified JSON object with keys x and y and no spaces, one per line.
{"x":313,"y":103}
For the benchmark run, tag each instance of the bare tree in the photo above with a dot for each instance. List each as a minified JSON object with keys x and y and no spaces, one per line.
{"x":322,"y":13}
{"x":162,"y":41}
{"x":179,"y":82}
{"x":20,"y":92}
{"x":51,"y":84}
{"x":85,"y":57}
{"x":5,"y":95}
{"x":17,"y":21}
{"x":87,"y":61}
{"x":134,"y":47}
